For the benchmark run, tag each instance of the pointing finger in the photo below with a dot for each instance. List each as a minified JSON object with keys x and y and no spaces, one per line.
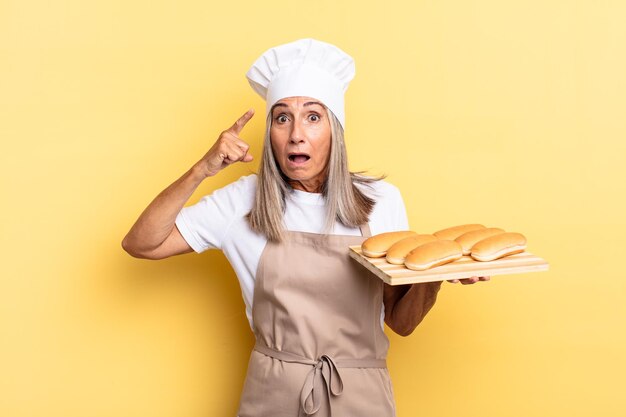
{"x":241,"y":122}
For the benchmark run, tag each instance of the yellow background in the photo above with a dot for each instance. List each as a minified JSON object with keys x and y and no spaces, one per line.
{"x":509,"y":113}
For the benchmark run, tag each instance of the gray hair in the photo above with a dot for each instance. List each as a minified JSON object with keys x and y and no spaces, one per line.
{"x":345,"y":202}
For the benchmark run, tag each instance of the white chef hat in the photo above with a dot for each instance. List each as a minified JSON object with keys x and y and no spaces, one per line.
{"x":306,"y":67}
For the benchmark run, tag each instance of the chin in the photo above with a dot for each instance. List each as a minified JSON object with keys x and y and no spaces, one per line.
{"x":298,"y":177}
{"x":295,"y":175}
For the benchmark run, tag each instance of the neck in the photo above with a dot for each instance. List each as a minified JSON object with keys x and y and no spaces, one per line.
{"x":310,"y":186}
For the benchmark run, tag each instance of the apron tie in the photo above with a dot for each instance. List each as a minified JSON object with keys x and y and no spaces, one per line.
{"x":325,"y":372}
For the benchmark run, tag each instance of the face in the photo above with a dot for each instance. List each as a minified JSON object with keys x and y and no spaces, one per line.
{"x":300,"y":136}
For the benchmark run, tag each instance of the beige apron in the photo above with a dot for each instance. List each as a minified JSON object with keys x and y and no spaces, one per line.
{"x":320,"y":349}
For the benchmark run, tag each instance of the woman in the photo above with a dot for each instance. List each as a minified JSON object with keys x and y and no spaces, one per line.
{"x":316,"y":314}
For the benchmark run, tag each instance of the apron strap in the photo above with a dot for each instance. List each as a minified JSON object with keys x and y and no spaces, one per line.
{"x":365,"y":230}
{"x":324,"y":372}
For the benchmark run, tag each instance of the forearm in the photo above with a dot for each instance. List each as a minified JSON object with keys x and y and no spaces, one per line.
{"x":157,"y":221}
{"x":406,"y":306}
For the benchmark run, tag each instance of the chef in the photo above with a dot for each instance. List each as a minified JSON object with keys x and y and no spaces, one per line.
{"x":317,"y":315}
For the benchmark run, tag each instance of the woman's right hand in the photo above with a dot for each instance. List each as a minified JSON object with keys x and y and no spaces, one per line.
{"x":154,"y":234}
{"x":228,"y":148}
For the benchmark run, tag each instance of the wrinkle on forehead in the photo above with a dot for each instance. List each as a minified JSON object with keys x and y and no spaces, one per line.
{"x":294,"y":102}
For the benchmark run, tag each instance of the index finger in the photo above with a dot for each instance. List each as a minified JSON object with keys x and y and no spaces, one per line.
{"x":241,"y":122}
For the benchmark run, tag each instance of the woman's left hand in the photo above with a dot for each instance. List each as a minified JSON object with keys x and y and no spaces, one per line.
{"x":471,"y":280}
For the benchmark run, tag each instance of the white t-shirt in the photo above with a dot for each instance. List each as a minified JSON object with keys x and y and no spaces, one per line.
{"x":218,"y":221}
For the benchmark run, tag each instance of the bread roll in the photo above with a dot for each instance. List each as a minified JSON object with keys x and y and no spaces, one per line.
{"x":497,"y":246}
{"x":469,"y":239}
{"x":398,"y":251}
{"x":376,"y":246}
{"x":433,"y":254}
{"x":452,"y":233}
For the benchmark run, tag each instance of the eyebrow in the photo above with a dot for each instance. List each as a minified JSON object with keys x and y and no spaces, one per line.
{"x":308,"y":103}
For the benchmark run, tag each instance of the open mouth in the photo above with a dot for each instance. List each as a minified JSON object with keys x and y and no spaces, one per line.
{"x":298,"y":158}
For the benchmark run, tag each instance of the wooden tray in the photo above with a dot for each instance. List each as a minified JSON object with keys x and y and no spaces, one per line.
{"x":462,"y":268}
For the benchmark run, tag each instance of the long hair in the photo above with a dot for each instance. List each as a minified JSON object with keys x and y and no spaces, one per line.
{"x":344,"y":201}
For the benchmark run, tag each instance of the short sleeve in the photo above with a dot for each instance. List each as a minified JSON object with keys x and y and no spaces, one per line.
{"x":389,"y":213}
{"x":401,"y":217}
{"x":205,"y":225}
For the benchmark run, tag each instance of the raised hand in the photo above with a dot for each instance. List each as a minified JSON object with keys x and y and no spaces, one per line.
{"x":228,"y":149}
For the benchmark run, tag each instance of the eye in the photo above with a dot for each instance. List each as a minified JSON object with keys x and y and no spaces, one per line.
{"x":314,"y":117}
{"x":282,"y":118}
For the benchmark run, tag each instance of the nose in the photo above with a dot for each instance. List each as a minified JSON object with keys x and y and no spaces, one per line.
{"x":297,"y":133}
